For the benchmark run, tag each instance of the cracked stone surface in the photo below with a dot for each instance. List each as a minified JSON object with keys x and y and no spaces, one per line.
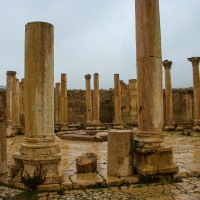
{"x":186,"y":190}
{"x":186,"y":155}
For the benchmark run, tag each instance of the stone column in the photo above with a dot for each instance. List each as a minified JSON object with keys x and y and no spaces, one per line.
{"x":63,"y":98}
{"x":21,"y":105}
{"x":11,"y":75}
{"x":3,"y":152}
{"x":15,"y":106}
{"x":149,"y":157}
{"x":39,"y":149}
{"x":88,"y":99}
{"x":196,"y":91}
{"x":133,"y":98}
{"x":169,"y":124}
{"x":188,"y":102}
{"x":57,"y":107}
{"x":117,"y":98}
{"x":96,"y":120}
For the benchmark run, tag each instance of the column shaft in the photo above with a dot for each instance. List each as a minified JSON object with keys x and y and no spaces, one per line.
{"x":149,"y":67}
{"x":196,"y":91}
{"x":9,"y":99}
{"x":133,"y":99}
{"x":88,"y":99}
{"x":57,"y":105}
{"x":117,"y":96}
{"x":64,"y":110}
{"x":21,"y":105}
{"x":3,"y":151}
{"x":96,"y":100}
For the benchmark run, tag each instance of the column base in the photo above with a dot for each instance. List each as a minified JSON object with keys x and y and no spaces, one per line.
{"x":64,"y":127}
{"x":154,"y":161}
{"x":118,"y":125}
{"x":9,"y":129}
{"x":40,"y":152}
{"x":57,"y":126}
{"x":179,"y":128}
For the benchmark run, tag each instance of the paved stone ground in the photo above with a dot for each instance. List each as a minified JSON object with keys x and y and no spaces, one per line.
{"x":189,"y":189}
{"x":186,"y":155}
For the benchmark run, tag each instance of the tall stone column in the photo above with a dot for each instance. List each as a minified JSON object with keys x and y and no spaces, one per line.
{"x":11,"y":75}
{"x":117,"y":98}
{"x":149,"y":157}
{"x":188,"y":105}
{"x":63,"y":98}
{"x":15,"y":106}
{"x":196,"y":91}
{"x":133,"y":98}
{"x":88,"y":99}
{"x":39,"y":148}
{"x":96,"y":120}
{"x":21,"y":105}
{"x":3,"y":152}
{"x":57,"y":107}
{"x":169,"y":124}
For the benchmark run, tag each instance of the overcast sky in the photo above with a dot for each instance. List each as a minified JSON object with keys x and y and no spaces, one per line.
{"x":99,"y":36}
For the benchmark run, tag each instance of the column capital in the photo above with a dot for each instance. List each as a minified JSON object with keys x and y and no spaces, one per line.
{"x":88,"y":76}
{"x":167,"y":64}
{"x":11,"y":73}
{"x":194,"y":60}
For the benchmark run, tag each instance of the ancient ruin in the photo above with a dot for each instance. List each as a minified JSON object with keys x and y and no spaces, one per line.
{"x":98,"y":138}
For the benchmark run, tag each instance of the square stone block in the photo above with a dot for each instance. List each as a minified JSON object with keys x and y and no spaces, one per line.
{"x":154,"y":161}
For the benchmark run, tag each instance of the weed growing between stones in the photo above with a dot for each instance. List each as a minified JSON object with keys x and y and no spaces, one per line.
{"x":158,"y":179}
{"x":33,"y":182}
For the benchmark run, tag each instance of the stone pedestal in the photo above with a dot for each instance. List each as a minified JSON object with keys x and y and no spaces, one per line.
{"x":88,"y":100}
{"x":39,"y":147}
{"x":64,"y":110}
{"x":169,"y":123}
{"x":118,"y":124}
{"x":133,"y":97}
{"x":120,"y":156}
{"x":196,"y":91}
{"x":3,"y":152}
{"x":150,"y":95}
{"x":153,"y":161}
{"x":57,"y":108}
{"x":11,"y":75}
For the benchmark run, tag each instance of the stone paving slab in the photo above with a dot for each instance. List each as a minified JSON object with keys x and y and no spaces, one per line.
{"x":186,"y":190}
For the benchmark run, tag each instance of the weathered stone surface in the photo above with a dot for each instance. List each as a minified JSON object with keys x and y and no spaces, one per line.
{"x":39,"y":147}
{"x":117,"y":98}
{"x":120,"y":157}
{"x":86,"y":163}
{"x":169,"y":123}
{"x":196,"y":88}
{"x":96,"y":101}
{"x":88,"y":99}
{"x":3,"y":148}
{"x":149,"y":162}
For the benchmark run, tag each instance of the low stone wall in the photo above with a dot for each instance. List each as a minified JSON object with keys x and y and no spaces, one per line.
{"x":77,"y":105}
